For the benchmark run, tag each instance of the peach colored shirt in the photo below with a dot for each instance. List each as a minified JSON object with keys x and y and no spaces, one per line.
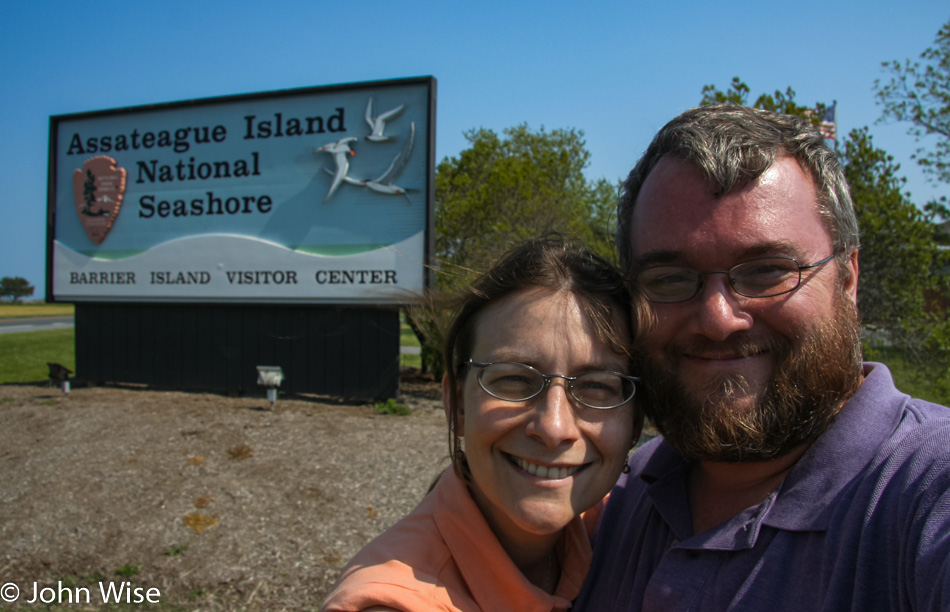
{"x":444,"y":556}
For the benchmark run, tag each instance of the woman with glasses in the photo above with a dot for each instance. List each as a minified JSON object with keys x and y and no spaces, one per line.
{"x":538,"y":396}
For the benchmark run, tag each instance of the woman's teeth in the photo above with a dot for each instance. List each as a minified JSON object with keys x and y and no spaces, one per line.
{"x":542,"y":471}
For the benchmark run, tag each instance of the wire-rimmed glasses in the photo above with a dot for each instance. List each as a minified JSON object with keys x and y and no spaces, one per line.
{"x":519,"y":382}
{"x":756,"y":278}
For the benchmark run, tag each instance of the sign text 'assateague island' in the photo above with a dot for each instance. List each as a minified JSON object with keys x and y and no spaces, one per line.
{"x":307,"y":195}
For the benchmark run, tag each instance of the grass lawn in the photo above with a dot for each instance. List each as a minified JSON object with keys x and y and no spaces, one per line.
{"x":408,"y":338}
{"x":410,"y":361}
{"x":911,"y":381}
{"x":23,"y":356}
{"x":35,"y":310}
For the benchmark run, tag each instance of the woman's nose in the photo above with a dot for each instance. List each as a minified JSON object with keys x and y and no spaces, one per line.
{"x":554,"y":421}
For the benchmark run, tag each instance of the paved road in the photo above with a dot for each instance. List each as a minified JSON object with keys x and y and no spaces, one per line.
{"x":28,"y":324}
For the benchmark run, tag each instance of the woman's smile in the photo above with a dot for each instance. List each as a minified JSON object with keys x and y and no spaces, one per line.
{"x":546,"y":472}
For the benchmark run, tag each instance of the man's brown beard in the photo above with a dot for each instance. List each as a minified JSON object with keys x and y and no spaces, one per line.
{"x":812,"y":378}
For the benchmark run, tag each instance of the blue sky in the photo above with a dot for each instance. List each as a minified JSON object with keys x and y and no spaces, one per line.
{"x":616,"y":70}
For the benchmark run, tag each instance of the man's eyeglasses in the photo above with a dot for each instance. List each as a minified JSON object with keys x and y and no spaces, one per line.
{"x":757,"y":278}
{"x":518,"y":382}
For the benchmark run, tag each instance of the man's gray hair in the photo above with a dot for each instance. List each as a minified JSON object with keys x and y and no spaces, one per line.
{"x":733,"y":145}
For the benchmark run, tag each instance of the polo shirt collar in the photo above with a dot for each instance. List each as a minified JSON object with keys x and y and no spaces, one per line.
{"x":806,"y":497}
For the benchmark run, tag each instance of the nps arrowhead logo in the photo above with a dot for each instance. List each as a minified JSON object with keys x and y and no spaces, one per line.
{"x":98,"y":189}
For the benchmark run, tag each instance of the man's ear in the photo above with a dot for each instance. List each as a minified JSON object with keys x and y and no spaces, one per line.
{"x":851,"y":283}
{"x":447,"y":393}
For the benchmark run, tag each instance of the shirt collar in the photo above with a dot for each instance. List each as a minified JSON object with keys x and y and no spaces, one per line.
{"x":806,"y":497}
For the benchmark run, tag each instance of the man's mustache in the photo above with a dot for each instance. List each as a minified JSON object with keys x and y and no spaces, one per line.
{"x":737,"y":345}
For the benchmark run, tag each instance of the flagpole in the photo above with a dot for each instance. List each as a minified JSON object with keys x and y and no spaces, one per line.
{"x":835,"y":102}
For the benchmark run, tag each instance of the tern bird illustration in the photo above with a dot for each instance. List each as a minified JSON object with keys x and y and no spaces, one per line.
{"x":384,"y":184}
{"x":378,"y":123}
{"x":339,"y":149}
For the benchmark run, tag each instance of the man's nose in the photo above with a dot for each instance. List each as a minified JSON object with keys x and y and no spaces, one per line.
{"x":720,"y":311}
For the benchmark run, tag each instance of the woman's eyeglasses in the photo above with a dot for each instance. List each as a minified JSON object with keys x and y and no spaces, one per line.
{"x":518,"y":382}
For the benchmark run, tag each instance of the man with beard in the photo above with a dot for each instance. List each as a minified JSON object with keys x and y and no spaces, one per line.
{"x":790,"y":475}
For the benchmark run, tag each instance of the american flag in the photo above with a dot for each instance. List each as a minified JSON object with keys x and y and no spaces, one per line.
{"x":829,"y":123}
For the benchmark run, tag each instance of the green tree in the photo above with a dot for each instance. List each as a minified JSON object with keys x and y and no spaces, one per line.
{"x":903,"y":269}
{"x":15,"y":287}
{"x":919,"y":93}
{"x":503,"y":190}
{"x":897,"y":242}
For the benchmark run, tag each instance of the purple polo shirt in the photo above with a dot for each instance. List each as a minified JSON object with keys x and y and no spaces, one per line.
{"x":861,"y":523}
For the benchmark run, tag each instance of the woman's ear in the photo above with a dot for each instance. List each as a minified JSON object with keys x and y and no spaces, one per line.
{"x":447,"y":395}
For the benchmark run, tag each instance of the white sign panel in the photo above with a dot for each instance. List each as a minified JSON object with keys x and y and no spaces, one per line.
{"x":315,"y":195}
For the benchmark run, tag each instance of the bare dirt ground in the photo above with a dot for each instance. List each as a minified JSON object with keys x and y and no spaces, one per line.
{"x":215,"y":501}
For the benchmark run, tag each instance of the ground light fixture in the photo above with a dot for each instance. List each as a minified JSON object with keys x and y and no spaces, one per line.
{"x":59,"y":373}
{"x":270,"y":377}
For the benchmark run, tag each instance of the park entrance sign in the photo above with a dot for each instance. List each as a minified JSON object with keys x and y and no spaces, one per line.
{"x":318,"y":195}
{"x":201,"y":239}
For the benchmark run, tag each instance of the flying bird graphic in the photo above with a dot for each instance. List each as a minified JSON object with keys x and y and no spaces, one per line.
{"x":378,"y":124}
{"x":384,"y":184}
{"x":339,"y":149}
